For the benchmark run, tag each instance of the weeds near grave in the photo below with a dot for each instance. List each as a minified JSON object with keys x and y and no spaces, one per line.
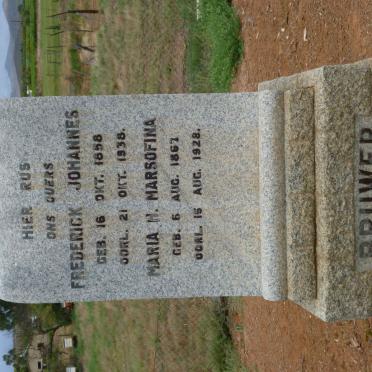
{"x":214,"y":46}
{"x":222,"y":353}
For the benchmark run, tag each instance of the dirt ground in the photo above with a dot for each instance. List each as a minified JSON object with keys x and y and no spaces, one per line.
{"x":282,"y":37}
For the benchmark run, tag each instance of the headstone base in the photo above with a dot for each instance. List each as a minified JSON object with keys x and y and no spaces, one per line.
{"x":328,"y":161}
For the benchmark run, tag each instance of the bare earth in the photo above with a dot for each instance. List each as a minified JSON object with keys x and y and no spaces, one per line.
{"x":283,"y":37}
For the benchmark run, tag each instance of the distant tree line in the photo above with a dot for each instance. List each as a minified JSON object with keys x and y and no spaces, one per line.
{"x":10,"y":315}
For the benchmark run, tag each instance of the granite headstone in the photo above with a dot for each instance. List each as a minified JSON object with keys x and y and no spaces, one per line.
{"x":129,"y":197}
{"x":157,"y":196}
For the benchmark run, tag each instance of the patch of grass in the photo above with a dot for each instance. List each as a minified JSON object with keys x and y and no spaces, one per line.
{"x":51,"y":66}
{"x":166,"y":335}
{"x":79,"y":349}
{"x":75,"y":60}
{"x":48,"y":65}
{"x":29,"y":44}
{"x":93,"y":364}
{"x":140,"y":48}
{"x":214,"y":46}
{"x":51,"y":54}
{"x":75,"y":64}
{"x":222,"y":355}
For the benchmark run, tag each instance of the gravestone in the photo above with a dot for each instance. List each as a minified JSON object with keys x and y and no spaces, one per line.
{"x":166,"y":196}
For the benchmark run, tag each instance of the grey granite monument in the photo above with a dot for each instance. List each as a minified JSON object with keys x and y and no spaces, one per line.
{"x":154,"y":196}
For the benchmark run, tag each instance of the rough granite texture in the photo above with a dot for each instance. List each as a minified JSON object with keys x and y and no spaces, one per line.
{"x":272,"y":196}
{"x":341,"y":93}
{"x":300,"y":193}
{"x":33,"y":131}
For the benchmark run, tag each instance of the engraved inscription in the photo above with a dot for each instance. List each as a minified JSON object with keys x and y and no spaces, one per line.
{"x":363,"y":191}
{"x":72,"y":126}
{"x":25,"y":176}
{"x":94,"y":234}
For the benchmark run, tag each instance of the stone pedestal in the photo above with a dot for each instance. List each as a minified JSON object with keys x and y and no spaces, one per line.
{"x":328,"y":162}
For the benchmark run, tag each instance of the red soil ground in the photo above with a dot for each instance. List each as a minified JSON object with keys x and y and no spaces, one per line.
{"x":282,"y":37}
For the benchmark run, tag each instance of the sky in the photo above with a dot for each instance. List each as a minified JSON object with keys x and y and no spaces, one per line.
{"x":6,"y":343}
{"x":5,"y":89}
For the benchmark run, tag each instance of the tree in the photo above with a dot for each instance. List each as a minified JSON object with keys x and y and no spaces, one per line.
{"x":6,"y":316}
{"x":19,"y":362}
{"x":10,"y":358}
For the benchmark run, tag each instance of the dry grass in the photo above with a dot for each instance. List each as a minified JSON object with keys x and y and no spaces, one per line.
{"x":159,"y":335}
{"x":141,"y":48}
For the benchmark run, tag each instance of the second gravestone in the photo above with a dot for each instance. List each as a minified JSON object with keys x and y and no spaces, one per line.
{"x":192,"y":195}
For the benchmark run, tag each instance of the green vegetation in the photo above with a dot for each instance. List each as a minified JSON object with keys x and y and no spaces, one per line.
{"x":29,"y":45}
{"x":47,"y":64}
{"x":138,"y":50}
{"x":76,"y":64}
{"x":26,"y":321}
{"x":50,"y":316}
{"x":214,"y":46}
{"x":223,"y":356}
{"x":141,"y":47}
{"x":50,"y":54}
{"x":6,"y":316}
{"x":164,"y":335}
{"x":52,"y":65}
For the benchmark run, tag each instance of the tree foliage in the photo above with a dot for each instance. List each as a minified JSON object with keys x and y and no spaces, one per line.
{"x":6,"y":316}
{"x":10,"y":358}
